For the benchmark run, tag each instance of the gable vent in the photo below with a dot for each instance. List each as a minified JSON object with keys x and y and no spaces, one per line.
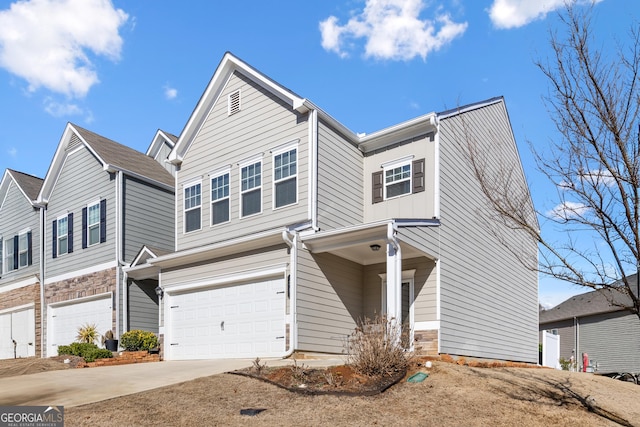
{"x":233,"y":105}
{"x":73,"y":142}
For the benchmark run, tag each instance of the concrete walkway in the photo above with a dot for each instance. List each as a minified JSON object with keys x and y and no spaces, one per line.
{"x":74,"y":387}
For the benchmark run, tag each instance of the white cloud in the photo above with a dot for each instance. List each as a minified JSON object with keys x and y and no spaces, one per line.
{"x":567,"y":210}
{"x":47,"y":42}
{"x":57,"y":109}
{"x":170,"y":93}
{"x":507,"y":14}
{"x":393,"y":29}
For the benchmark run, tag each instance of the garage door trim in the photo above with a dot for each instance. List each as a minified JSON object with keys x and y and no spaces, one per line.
{"x":18,"y":308}
{"x":81,"y":299}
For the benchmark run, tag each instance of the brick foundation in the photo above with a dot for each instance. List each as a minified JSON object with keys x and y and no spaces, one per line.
{"x":26,"y":295}
{"x":123,"y":358}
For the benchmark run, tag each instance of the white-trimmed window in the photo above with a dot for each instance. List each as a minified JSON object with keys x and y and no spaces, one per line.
{"x":192,"y":206}
{"x":397,"y":180}
{"x":285,"y":176}
{"x":62,"y":235}
{"x":8,"y":255}
{"x":220,"y":205}
{"x":23,"y":249}
{"x":250,"y":188}
{"x":93,"y":223}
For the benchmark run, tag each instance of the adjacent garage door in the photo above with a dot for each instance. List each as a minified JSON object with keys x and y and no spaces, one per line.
{"x":20,"y":326}
{"x":243,"y":320}
{"x":66,"y":319}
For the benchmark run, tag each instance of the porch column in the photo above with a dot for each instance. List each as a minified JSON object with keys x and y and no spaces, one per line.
{"x":394,"y":277}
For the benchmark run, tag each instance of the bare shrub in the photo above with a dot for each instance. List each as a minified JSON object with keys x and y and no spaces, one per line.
{"x":299,"y":372}
{"x":375,"y":348}
{"x":258,"y":367}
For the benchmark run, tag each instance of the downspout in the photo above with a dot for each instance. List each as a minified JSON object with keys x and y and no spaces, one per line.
{"x":313,"y":160}
{"x":119,"y":261}
{"x":292,"y":242}
{"x":42,"y":302}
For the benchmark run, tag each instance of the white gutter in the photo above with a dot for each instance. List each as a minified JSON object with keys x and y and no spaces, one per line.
{"x":291,"y":239}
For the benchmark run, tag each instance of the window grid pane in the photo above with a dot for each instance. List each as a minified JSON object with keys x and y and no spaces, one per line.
{"x":398,"y":181}
{"x":192,"y":196}
{"x":220,"y":187}
{"x":23,"y":249}
{"x":251,"y":176}
{"x":285,"y":165}
{"x":8,"y":257}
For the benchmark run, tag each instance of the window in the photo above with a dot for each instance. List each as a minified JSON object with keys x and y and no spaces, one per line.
{"x":63,"y":235}
{"x":285,"y":170}
{"x":192,"y":204}
{"x":9,"y":251}
{"x":93,"y":224}
{"x":251,"y":189}
{"x":23,"y":249}
{"x":397,"y":181}
{"x":398,"y":178}
{"x":220,"y":199}
{"x":62,"y":230}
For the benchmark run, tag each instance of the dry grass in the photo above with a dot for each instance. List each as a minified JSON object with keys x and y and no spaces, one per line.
{"x":452,"y":395}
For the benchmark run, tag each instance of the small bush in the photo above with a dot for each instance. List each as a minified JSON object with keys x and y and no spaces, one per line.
{"x":87,"y":333}
{"x":375,"y":348}
{"x":88,"y":351}
{"x":137,"y":339}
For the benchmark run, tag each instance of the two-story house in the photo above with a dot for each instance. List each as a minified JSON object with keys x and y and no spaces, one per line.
{"x":104,"y":201}
{"x":20,"y":291}
{"x":290,"y":228}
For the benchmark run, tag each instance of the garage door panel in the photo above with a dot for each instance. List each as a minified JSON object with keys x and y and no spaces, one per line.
{"x":66,"y":319}
{"x":243,"y":320}
{"x":20,"y":326}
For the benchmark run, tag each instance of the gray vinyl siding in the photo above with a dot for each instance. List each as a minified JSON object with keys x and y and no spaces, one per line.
{"x":147,"y":218}
{"x":143,"y":306}
{"x":612,"y":340}
{"x":229,"y":265}
{"x":162,"y":155}
{"x":264,"y":123}
{"x":489,"y":301}
{"x":329,"y":301}
{"x":81,"y":181}
{"x":340,"y":186}
{"x":418,"y":205}
{"x":16,"y":215}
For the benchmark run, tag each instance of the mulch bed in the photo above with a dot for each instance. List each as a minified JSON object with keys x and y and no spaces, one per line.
{"x":336,"y":380}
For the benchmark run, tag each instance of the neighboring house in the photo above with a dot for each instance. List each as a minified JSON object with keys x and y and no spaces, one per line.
{"x":594,"y":323}
{"x":104,"y":201}
{"x":20,"y":309}
{"x":290,"y":228}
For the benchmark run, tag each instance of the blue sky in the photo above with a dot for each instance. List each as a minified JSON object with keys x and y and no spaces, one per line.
{"x":126,"y":68}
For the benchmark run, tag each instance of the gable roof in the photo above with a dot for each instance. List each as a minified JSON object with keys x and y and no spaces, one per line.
{"x":160,"y":138}
{"x":112,"y":155}
{"x":28,"y":185}
{"x":587,"y":304}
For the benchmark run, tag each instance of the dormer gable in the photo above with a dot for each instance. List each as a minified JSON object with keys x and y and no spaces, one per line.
{"x":28,"y":185}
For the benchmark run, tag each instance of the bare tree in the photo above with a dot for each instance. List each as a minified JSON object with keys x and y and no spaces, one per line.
{"x":591,"y":238}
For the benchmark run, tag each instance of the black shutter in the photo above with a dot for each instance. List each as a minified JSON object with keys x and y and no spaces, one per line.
{"x":70,"y":233}
{"x":103,"y":220}
{"x":29,"y":249}
{"x":84,"y":228}
{"x":16,"y":253}
{"x":377,"y":186}
{"x":418,"y":176}
{"x":54,"y":246}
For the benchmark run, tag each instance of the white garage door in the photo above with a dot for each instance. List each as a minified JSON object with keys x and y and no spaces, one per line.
{"x":245,"y":320}
{"x":65,"y":320}
{"x":19,"y":326}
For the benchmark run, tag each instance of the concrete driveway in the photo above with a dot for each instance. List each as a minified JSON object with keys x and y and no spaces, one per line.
{"x":74,"y":387}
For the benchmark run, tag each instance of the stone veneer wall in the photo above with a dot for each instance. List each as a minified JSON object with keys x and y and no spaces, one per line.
{"x":86,"y":285}
{"x":426,"y":342}
{"x":22,"y":296}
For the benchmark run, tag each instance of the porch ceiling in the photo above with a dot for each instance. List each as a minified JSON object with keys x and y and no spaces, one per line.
{"x":355,"y":244}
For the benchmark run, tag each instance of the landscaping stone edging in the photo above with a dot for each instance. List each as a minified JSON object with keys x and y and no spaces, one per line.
{"x":123,"y":358}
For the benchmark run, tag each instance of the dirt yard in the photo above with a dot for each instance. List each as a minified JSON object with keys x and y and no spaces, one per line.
{"x":452,"y":395}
